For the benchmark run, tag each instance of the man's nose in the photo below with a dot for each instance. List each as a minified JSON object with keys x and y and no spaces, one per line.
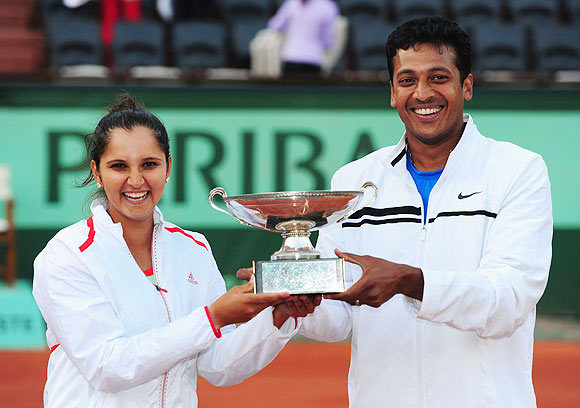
{"x":423,"y":91}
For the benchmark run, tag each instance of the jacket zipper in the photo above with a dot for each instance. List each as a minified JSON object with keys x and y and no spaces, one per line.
{"x":420,"y":390}
{"x":160,"y":291}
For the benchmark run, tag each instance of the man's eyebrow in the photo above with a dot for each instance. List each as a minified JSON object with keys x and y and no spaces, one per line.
{"x":434,"y":69}
{"x":406,"y":71}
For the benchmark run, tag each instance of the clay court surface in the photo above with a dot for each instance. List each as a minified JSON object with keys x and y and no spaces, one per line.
{"x":305,"y":374}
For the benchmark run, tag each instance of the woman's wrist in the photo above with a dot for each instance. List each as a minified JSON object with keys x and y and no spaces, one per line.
{"x":215,"y":324}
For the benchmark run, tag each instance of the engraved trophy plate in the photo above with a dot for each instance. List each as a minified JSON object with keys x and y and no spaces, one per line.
{"x":308,"y":276}
{"x":296,"y":267}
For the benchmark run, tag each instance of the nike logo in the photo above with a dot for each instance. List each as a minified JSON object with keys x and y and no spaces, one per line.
{"x":461,"y":196}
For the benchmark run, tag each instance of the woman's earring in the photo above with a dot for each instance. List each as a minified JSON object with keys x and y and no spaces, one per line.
{"x":99,"y":185}
{"x":167,"y":179}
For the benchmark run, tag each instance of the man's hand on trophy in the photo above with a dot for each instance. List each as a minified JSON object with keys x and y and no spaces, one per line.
{"x":380,"y":281}
{"x":240,"y":304}
{"x":296,"y":306}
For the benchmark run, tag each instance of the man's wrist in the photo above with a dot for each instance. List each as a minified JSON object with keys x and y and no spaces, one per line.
{"x":279,"y":318}
{"x":412,"y":284}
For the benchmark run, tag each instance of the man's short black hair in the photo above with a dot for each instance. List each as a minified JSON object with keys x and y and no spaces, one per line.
{"x":437,"y":31}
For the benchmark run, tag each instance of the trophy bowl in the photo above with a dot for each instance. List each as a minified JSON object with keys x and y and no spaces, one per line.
{"x":297,"y":266}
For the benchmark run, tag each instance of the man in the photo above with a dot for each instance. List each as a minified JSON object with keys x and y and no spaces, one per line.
{"x":309,"y":29}
{"x":457,"y":246}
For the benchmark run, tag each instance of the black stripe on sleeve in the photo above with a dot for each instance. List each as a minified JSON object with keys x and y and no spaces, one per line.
{"x":463,"y":213}
{"x":381,"y":212}
{"x":379,"y":222}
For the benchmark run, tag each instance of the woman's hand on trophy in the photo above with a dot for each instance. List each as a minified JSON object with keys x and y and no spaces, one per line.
{"x":245,"y":274}
{"x":240,"y":304}
{"x":295,"y":306}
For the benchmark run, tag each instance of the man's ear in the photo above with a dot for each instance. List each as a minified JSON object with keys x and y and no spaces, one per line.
{"x":393,"y":100}
{"x":468,"y":88}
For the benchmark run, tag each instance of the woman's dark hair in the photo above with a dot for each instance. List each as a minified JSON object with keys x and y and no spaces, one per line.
{"x":126,"y":114}
{"x":437,"y":31}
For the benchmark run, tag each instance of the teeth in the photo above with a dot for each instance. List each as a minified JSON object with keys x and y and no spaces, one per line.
{"x":427,"y":111}
{"x":136,"y":196}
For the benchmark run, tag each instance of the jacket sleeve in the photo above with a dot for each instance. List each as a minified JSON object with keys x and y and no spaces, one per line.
{"x":327,"y":33}
{"x":280,"y":20}
{"x":87,"y":327}
{"x":245,"y":350}
{"x":498,"y":297}
{"x":332,"y":320}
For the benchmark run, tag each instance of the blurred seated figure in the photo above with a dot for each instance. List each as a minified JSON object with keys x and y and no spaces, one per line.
{"x":308,"y":26}
{"x":7,"y":229}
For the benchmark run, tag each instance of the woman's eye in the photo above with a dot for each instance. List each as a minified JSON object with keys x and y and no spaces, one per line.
{"x":118,"y":166}
{"x":149,"y":164}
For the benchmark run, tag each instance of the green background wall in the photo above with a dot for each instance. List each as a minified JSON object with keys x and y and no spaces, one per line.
{"x":265,"y":138}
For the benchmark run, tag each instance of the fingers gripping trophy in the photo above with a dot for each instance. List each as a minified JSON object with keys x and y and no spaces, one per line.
{"x":296,"y":267}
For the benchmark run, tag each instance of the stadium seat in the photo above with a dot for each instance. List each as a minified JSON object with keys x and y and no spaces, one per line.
{"x":74,"y":41}
{"x":241,"y":34}
{"x":472,"y":12}
{"x":556,"y":48}
{"x":148,"y":9}
{"x":500,"y":48}
{"x":50,"y":7}
{"x":199,"y":45}
{"x":364,"y":9}
{"x":138,"y":44}
{"x":534,"y":12}
{"x":244,"y":10}
{"x":408,"y":9}
{"x":53,"y":8}
{"x":368,"y":46}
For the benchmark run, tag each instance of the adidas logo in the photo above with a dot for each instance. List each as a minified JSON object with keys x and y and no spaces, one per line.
{"x":191,"y":279}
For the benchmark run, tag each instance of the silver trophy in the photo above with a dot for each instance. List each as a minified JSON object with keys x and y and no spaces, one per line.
{"x":296,"y":267}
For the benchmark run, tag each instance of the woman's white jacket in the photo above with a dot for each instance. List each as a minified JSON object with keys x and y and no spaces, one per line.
{"x":120,"y":341}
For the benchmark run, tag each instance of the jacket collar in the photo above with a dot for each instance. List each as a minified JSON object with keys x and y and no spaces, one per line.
{"x":395,"y":159}
{"x":102,"y":217}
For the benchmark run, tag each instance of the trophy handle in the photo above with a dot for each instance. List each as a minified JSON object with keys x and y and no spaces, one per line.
{"x":222,"y":192}
{"x":372,"y":200}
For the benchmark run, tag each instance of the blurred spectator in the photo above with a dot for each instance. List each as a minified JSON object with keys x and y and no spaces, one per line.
{"x":308,"y":27}
{"x":114,"y":10}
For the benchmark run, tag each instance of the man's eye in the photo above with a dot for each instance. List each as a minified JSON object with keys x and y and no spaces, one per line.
{"x":405,"y":81}
{"x":440,"y":77}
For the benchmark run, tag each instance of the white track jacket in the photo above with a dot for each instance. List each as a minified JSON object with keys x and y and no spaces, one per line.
{"x":123,"y":342}
{"x":485,"y":252}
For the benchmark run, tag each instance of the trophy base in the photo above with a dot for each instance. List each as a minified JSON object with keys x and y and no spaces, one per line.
{"x":300,"y":277}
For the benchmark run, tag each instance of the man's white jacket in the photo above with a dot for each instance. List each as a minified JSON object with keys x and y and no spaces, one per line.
{"x":485,"y":253}
{"x":120,"y":341}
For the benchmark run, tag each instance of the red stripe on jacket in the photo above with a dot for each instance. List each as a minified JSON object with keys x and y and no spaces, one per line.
{"x":177,"y":229}
{"x":91,"y":237}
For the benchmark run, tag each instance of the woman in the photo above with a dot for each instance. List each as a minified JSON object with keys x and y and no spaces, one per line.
{"x":135,"y":306}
